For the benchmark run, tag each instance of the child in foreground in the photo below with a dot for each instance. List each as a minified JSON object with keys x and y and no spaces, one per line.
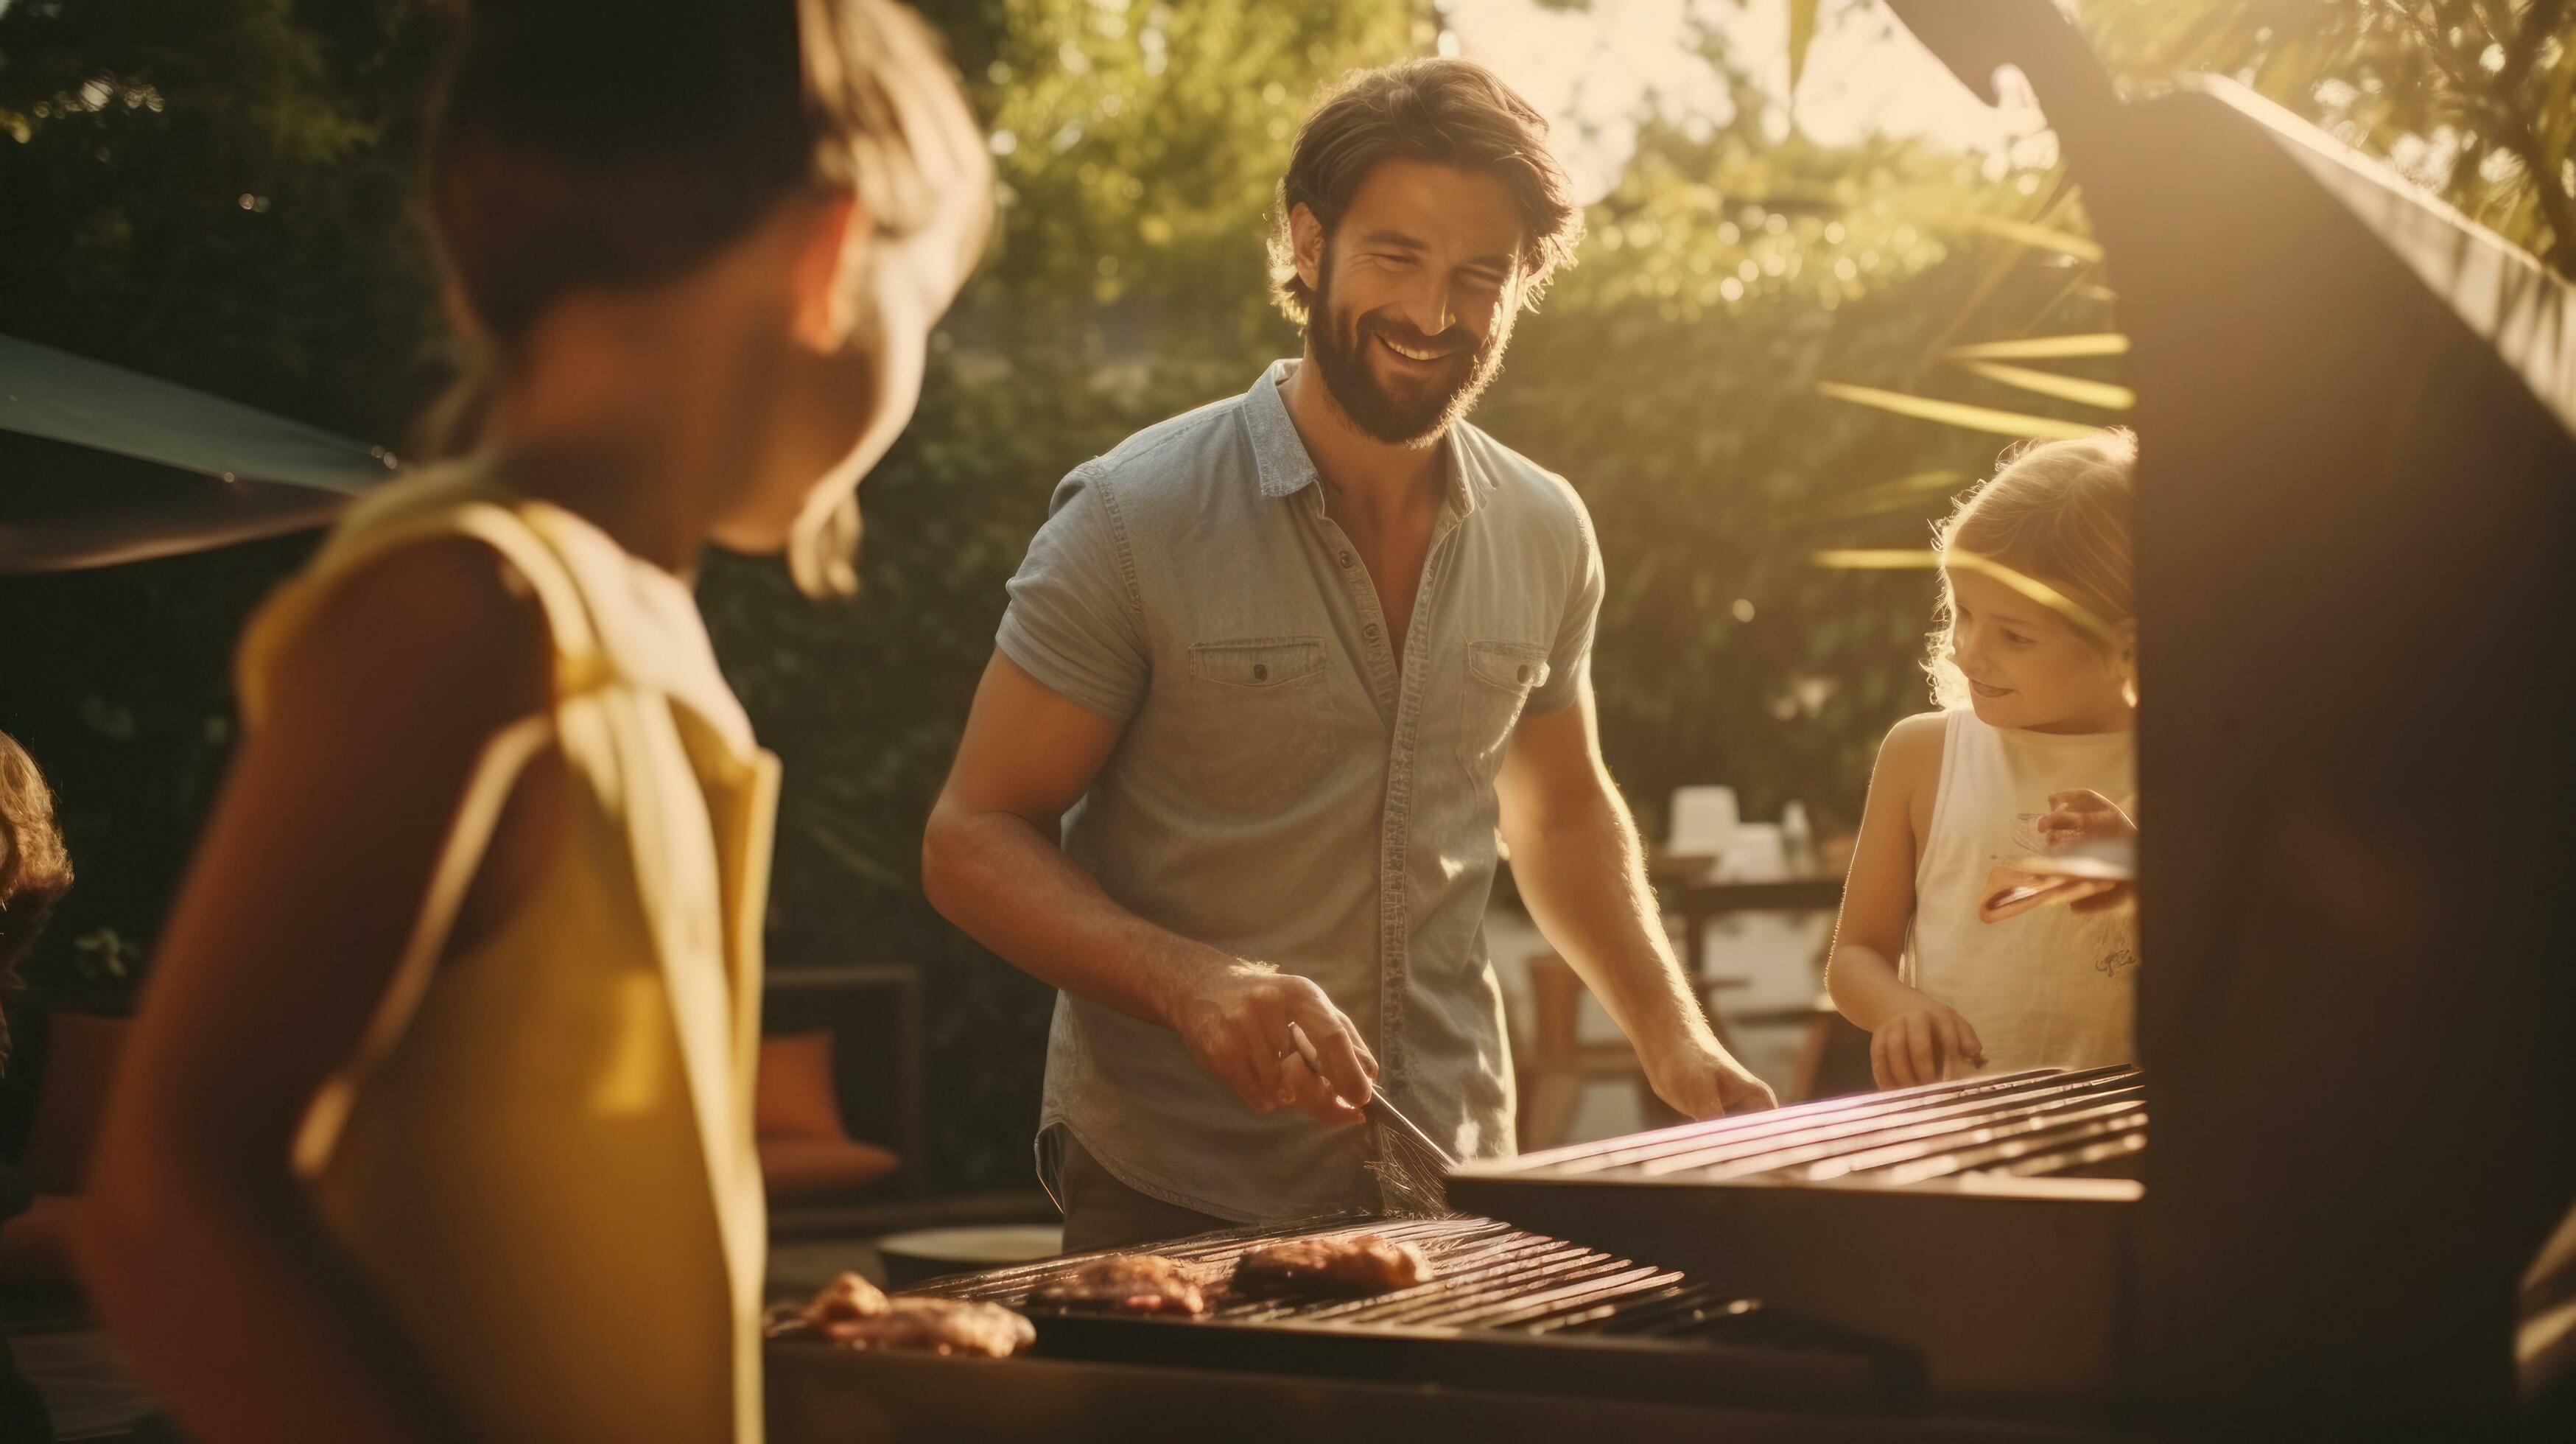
{"x":2033,"y":745}
{"x":436,"y":1121}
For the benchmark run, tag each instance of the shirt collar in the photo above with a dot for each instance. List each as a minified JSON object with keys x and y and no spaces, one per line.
{"x":1279,"y":454}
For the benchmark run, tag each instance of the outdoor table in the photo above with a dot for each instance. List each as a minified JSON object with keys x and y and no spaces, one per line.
{"x":1692,"y":888}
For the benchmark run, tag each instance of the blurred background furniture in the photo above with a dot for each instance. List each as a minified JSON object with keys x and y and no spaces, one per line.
{"x":59,"y":1084}
{"x":837,"y":1110}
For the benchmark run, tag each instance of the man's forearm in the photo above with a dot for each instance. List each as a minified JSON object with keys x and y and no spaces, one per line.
{"x":1583,"y":879}
{"x":1011,"y":888}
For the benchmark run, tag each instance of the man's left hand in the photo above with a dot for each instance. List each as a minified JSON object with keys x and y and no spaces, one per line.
{"x":1700,"y":1079}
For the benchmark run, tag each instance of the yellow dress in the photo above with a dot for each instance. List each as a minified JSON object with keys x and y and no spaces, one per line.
{"x":541,"y":1153}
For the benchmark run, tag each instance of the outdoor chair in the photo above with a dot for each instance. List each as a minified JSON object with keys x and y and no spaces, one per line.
{"x":838,"y":1118}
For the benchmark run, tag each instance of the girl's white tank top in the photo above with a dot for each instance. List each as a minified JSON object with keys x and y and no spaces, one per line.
{"x":2051,"y":987}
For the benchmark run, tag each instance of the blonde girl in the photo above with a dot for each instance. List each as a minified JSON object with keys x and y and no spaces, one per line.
{"x":2033,"y":742}
{"x":435,"y":1123}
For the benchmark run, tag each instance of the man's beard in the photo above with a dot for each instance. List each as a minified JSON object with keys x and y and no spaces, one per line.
{"x":1409,"y":415}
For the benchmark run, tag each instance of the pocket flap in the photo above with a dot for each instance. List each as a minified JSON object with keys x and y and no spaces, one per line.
{"x":1509,"y":665}
{"x":1258,"y":664}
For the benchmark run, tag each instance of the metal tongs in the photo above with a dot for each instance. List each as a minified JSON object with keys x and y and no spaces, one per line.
{"x":1414,"y":1169}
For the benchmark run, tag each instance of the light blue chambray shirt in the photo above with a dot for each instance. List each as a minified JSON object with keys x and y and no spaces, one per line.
{"x":1282,"y":791}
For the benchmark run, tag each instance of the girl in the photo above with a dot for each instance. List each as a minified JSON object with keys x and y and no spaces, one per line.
{"x":436,"y":1119}
{"x":2033,"y":745}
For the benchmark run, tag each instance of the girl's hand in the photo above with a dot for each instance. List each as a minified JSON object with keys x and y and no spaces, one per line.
{"x":2081,"y":816}
{"x":1922,"y":1044}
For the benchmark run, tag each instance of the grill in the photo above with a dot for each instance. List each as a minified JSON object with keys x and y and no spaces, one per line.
{"x":1982,"y":1225}
{"x":1506,"y":1309}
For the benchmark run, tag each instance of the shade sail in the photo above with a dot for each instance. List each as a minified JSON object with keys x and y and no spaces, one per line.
{"x":99,"y":464}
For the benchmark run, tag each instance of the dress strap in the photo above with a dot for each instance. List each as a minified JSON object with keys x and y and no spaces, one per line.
{"x":579,"y":664}
{"x":579,"y":661}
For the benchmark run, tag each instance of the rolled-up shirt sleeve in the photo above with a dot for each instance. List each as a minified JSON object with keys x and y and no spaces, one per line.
{"x":1075,"y":622}
{"x":1569,"y":660}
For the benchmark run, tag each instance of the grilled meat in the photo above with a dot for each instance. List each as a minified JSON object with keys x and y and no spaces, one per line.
{"x":856,"y":1314}
{"x":1360,"y":1264}
{"x":1126,"y":1283}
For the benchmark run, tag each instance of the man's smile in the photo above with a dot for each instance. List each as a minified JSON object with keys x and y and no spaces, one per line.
{"x":1413,"y":354}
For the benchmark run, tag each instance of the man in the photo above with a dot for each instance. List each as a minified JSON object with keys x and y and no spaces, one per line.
{"x":1275,"y":668}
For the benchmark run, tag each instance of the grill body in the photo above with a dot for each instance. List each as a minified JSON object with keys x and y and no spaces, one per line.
{"x":1984,"y":1226}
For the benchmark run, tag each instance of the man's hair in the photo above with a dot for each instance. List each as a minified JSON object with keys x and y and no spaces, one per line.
{"x":1444,"y":112}
{"x":35,"y":872}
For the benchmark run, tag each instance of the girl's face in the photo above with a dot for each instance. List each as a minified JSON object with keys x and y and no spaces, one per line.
{"x":835,"y":407}
{"x":2030,"y":668}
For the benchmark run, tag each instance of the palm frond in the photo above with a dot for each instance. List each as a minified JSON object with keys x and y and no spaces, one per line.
{"x":2065,"y":388}
{"x":1957,"y":413}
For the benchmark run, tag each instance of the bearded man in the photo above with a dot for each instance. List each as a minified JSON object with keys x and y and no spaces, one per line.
{"x":1272,"y":674}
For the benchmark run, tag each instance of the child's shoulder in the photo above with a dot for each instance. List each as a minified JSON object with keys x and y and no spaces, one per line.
{"x":1912,"y":752}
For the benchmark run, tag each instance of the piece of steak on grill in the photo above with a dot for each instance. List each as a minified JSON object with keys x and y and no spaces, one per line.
{"x":1125,"y":1283}
{"x":856,"y":1314}
{"x":1361,"y":1264}
{"x":935,"y":1326}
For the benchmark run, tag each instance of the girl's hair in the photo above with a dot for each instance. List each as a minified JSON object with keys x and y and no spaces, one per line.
{"x":2056,"y":512}
{"x":35,"y":871}
{"x":610,"y":144}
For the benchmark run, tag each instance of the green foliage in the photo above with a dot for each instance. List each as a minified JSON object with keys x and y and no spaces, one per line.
{"x":1713,"y":468}
{"x":2469,"y":97}
{"x":1672,"y":377}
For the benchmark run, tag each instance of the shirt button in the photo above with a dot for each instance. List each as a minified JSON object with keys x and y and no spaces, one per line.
{"x":1346,"y":559}
{"x":1261,"y":671}
{"x":1369,"y":631}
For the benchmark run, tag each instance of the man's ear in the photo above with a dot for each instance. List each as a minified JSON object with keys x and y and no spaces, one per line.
{"x":831,"y":240}
{"x":1306,"y":243}
{"x":2124,"y":653}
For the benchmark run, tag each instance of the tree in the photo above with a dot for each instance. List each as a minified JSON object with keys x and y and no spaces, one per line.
{"x":2470,"y":98}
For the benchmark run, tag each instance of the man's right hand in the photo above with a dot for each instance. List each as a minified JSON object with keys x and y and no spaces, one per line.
{"x":1921,"y":1043}
{"x":1235,"y":1020}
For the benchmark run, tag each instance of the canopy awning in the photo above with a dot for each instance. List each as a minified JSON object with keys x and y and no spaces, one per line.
{"x":99,"y":464}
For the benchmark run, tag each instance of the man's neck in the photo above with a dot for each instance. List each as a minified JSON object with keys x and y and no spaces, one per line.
{"x":1360,"y":472}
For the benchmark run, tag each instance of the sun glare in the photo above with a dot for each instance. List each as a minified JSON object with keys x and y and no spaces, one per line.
{"x":1596,"y":69}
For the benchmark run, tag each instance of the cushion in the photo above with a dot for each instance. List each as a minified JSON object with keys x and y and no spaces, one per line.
{"x":802,"y":1170}
{"x":81,"y":1050}
{"x":794,"y":1096}
{"x":36,"y":1245}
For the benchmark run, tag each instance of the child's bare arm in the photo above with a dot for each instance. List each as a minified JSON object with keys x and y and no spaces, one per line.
{"x":1912,"y":1037}
{"x":196,"y":1240}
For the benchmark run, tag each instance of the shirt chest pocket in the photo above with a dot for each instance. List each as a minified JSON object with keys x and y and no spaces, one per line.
{"x":1255,"y":720}
{"x":1500,"y":678}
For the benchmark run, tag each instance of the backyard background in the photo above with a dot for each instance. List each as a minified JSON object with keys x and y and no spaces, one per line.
{"x":219,"y":192}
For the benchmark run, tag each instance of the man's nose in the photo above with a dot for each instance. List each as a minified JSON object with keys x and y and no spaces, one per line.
{"x":1430,"y":308}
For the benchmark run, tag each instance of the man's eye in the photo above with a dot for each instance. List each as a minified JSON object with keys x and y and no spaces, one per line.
{"x":2017,"y":639}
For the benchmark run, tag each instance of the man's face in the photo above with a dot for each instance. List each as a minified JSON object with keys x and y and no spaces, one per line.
{"x":1415,"y":290}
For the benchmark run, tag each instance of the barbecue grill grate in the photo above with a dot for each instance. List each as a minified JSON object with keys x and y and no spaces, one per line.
{"x":2045,"y":1123}
{"x":1504,"y":1308}
{"x":2008,"y":1200}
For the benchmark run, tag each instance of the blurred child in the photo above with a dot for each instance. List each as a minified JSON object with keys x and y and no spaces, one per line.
{"x":2033,"y":746}
{"x":35,"y":872}
{"x":436,"y":1121}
